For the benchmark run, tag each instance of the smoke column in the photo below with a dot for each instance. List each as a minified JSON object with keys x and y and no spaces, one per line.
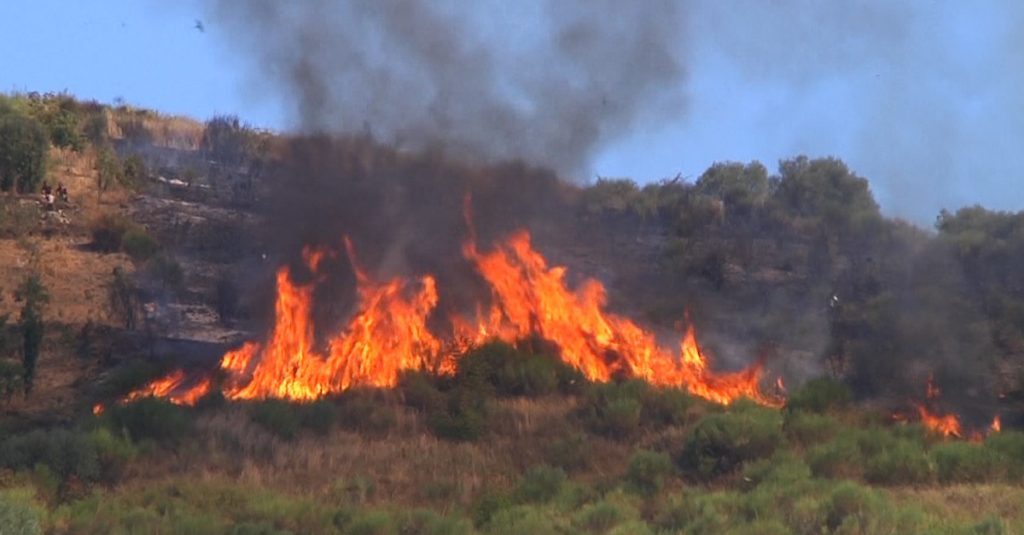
{"x":547,"y":82}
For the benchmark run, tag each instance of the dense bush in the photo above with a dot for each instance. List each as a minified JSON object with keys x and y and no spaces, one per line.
{"x":904,"y":463}
{"x":66,"y":453}
{"x":24,"y":144}
{"x":138,"y":244}
{"x":151,"y":419}
{"x":719,"y":443}
{"x":108,"y":231}
{"x":819,"y":396}
{"x":18,"y":516}
{"x":540,"y":485}
{"x":839,"y":458}
{"x":511,"y":372}
{"x":621,"y":409}
{"x":34,"y":297}
{"x":962,"y":462}
{"x":808,"y":429}
{"x":363,"y":412}
{"x":647,"y":471}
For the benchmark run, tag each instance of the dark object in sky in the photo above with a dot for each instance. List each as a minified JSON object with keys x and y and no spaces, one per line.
{"x":199,"y":26}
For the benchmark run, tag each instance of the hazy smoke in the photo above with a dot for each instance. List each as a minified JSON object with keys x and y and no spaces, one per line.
{"x":923,"y":98}
{"x":548,"y":83}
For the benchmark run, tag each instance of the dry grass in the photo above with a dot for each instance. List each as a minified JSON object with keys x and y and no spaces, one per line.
{"x":963,"y":503}
{"x":406,"y":466}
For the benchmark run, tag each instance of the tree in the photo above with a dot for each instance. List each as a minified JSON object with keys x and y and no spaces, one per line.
{"x":826,"y":190}
{"x":123,"y":298}
{"x":108,"y":170}
{"x":34,"y":294}
{"x":24,"y":144}
{"x":740,"y":187}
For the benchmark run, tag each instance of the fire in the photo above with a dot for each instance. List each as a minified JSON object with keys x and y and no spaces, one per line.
{"x":947,"y":425}
{"x":530,"y":298}
{"x":388,"y":334}
{"x":174,"y":388}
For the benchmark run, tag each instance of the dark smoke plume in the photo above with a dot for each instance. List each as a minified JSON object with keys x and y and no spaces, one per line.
{"x":548,"y":82}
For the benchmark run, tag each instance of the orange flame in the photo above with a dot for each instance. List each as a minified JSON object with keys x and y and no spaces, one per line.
{"x":947,"y":425}
{"x":173,"y":388}
{"x":388,"y":334}
{"x":530,"y":298}
{"x":996,"y":426}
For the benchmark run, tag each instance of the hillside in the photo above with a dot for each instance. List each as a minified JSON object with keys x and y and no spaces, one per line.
{"x":437,"y":346}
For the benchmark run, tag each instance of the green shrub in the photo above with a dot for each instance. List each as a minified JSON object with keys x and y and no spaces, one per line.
{"x":24,"y":147}
{"x":166,"y":271}
{"x":108,"y":231}
{"x":12,"y":378}
{"x":540,"y":485}
{"x":666,"y":406}
{"x":372,"y":523}
{"x":1010,"y":445}
{"x":465,"y":415}
{"x":365,"y":414}
{"x":279,"y":417}
{"x":511,"y":372}
{"x":35,"y":297}
{"x":647,"y":471}
{"x":570,"y":453}
{"x":611,"y":512}
{"x":138,"y":244}
{"x":113,"y":452}
{"x":257,"y":528}
{"x":721,"y":442}
{"x":613,"y":409}
{"x":419,"y":391}
{"x":819,"y":396}
{"x":427,"y":522}
{"x":840,"y":458}
{"x":487,"y":504}
{"x":17,"y":514}
{"x":962,"y":462}
{"x":808,"y":429}
{"x":850,"y":504}
{"x":904,"y":463}
{"x":783,"y":468}
{"x":524,"y":519}
{"x":64,"y":452}
{"x":319,"y":416}
{"x":151,"y":419}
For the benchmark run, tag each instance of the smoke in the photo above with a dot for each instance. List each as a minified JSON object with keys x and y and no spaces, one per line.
{"x":921,"y":97}
{"x":550,"y":82}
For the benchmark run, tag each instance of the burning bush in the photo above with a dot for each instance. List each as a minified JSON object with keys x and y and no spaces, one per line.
{"x":511,"y":372}
{"x":153,"y":419}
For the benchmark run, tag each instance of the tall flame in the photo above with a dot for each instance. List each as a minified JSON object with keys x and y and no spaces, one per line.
{"x":530,"y":298}
{"x":388,"y":334}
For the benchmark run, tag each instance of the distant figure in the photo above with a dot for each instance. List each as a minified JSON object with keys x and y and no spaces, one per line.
{"x":62,"y":193}
{"x":46,"y":189}
{"x":199,"y":26}
{"x":47,"y":197}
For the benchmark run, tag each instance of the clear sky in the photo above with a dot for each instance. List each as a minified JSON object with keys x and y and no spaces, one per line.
{"x":923,"y":98}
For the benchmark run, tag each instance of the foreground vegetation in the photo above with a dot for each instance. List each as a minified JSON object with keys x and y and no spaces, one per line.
{"x":514,"y":442}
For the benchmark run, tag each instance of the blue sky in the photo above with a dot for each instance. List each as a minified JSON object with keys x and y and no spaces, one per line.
{"x":923,"y":98}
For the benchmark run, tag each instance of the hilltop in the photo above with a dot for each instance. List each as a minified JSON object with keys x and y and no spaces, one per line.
{"x":164,"y":258}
